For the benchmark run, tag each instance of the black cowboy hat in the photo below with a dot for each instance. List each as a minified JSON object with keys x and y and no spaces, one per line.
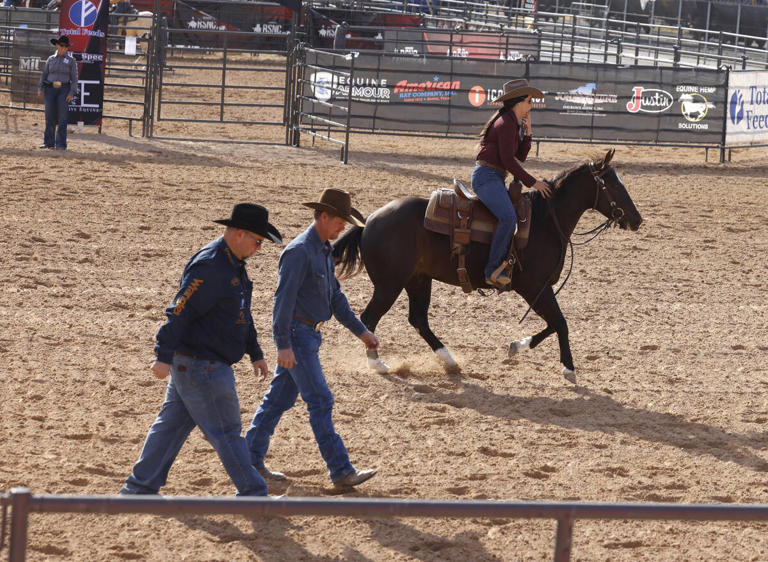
{"x":253,"y":218}
{"x":63,"y":40}
{"x":339,"y":203}
{"x":518,"y":88}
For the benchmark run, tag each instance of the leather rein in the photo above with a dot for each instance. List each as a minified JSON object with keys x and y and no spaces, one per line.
{"x":616,"y":214}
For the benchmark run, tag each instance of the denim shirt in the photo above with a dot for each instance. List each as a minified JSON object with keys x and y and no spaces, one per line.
{"x":59,"y":69}
{"x":210,"y":317}
{"x":307,"y":288}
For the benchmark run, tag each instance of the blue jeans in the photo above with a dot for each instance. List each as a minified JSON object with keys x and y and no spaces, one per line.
{"x":488,"y":184}
{"x":305,"y":378}
{"x":200,"y":393}
{"x":56,"y":108}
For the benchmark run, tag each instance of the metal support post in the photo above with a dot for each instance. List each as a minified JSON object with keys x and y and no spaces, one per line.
{"x":19,"y":523}
{"x":564,"y":538}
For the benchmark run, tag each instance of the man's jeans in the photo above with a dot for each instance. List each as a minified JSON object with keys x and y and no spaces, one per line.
{"x":305,"y":378}
{"x":56,"y":109}
{"x":488,"y":184}
{"x":199,"y":393}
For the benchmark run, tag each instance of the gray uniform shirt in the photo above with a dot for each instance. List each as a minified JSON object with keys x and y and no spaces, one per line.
{"x":59,"y":69}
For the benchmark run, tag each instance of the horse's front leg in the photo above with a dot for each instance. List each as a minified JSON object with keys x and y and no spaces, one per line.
{"x":547,"y":308}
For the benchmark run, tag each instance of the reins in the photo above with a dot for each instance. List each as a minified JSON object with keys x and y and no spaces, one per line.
{"x":616,"y":214}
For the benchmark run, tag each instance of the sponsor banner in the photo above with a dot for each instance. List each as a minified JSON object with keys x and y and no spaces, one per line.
{"x":462,"y":44}
{"x":86,"y":23}
{"x":31,"y":48}
{"x":747,"y":121}
{"x":324,"y":20}
{"x":271,"y":24}
{"x":451,"y":96}
{"x":640,"y":104}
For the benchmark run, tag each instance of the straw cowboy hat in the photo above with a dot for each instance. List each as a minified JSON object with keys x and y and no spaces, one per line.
{"x":253,"y":218}
{"x":517,"y":88}
{"x":337,"y":202}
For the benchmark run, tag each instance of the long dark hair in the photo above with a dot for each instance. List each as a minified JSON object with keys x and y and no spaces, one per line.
{"x":508,"y":105}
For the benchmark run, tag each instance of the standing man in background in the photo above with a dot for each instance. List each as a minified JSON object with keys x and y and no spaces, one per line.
{"x":307,"y":294}
{"x":57,"y":85}
{"x":209,"y":328}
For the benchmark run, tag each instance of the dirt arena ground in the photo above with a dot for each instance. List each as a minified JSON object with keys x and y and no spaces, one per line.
{"x":667,"y":327}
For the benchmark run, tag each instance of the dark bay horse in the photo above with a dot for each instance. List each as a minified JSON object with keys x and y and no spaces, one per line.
{"x":399,"y":253}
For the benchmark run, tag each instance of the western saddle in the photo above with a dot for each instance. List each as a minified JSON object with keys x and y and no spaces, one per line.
{"x":462,"y":216}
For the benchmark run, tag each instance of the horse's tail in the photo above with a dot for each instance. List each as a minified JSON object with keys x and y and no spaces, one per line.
{"x":347,"y":253}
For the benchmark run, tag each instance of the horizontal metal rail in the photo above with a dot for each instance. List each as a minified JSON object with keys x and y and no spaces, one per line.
{"x":565,"y":513}
{"x":226,"y":121}
{"x":314,"y":133}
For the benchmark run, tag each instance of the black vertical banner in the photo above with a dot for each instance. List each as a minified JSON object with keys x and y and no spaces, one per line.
{"x":86,"y":23}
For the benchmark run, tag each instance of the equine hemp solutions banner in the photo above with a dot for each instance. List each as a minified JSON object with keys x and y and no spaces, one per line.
{"x":86,"y":25}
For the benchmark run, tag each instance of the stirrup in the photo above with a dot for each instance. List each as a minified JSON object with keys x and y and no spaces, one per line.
{"x":500,"y":278}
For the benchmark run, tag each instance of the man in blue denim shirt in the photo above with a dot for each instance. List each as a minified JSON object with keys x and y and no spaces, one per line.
{"x":209,"y":328}
{"x":307,"y":295}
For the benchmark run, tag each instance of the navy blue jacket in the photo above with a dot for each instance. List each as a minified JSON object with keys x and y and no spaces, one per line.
{"x":210,"y":317}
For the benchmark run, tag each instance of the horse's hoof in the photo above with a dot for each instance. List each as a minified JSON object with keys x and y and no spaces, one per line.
{"x":569,"y":374}
{"x":519,"y":345}
{"x":445,"y":358}
{"x":378,"y":365}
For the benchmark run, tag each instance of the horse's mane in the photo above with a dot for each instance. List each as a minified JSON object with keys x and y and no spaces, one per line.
{"x":560,"y":178}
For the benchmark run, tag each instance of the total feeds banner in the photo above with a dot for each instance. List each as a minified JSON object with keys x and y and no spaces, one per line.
{"x":86,"y":23}
{"x":747,"y":122}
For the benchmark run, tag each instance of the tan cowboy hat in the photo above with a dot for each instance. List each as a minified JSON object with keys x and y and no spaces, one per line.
{"x":339,"y":203}
{"x":517,"y":88}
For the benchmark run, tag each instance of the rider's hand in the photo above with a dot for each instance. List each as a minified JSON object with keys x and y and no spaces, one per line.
{"x":543,"y":188}
{"x":526,"y":121}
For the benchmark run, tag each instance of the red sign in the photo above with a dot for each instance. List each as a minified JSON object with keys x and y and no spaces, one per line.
{"x":85,"y":22}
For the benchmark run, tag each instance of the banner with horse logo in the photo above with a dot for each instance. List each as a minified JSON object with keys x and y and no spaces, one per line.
{"x":454,"y":95}
{"x":86,"y":24}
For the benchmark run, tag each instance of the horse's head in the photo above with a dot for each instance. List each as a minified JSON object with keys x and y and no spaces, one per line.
{"x":611,"y":197}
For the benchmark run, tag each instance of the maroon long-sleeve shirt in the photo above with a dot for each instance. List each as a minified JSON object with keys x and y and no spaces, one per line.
{"x":502,"y":147}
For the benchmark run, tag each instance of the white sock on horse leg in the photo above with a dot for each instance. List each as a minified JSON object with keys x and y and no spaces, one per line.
{"x":519,"y":345}
{"x":445,"y":357}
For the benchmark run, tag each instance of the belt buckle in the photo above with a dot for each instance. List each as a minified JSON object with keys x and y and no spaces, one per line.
{"x":57,"y":84}
{"x":318,"y":325}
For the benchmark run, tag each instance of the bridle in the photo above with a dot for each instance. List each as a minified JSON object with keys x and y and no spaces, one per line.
{"x":600,"y":186}
{"x":616,"y":214}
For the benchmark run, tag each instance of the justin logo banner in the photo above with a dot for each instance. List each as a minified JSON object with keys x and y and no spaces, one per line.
{"x":86,"y":24}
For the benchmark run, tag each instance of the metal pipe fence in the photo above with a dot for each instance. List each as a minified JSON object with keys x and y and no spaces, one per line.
{"x":564,"y":513}
{"x":305,"y":118}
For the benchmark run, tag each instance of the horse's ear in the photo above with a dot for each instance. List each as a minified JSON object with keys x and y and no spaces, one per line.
{"x":608,"y":157}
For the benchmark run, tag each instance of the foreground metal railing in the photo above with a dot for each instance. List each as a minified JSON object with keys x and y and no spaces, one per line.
{"x":565,"y":513}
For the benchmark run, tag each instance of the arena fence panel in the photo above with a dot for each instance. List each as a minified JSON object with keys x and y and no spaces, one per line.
{"x":322,"y":97}
{"x":24,"y":47}
{"x":221,"y":86}
{"x":565,"y":513}
{"x":451,"y":97}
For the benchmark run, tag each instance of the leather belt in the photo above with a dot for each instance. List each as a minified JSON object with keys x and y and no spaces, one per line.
{"x":185,"y":354}
{"x":314,"y":325}
{"x":59,"y":84}
{"x":484,"y":163}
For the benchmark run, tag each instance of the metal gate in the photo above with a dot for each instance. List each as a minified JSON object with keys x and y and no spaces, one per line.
{"x":217,"y":85}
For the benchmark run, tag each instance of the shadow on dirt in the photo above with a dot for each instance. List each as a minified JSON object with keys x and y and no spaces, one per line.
{"x":591,"y":411}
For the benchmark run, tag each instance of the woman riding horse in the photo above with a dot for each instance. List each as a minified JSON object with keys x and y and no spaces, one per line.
{"x":503,"y":145}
